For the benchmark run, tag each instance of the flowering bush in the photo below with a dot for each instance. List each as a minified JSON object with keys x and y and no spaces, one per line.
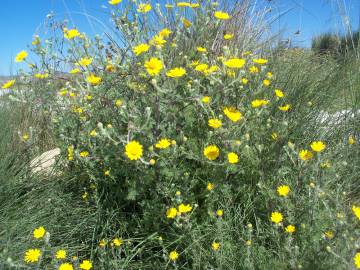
{"x":186,"y":145}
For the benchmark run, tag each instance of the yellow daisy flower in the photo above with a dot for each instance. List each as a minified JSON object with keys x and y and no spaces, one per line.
{"x":220,"y":15}
{"x":153,"y":66}
{"x":211,"y":152}
{"x":318,"y":146}
{"x":133,"y":150}
{"x":214,"y":123}
{"x":32,"y":255}
{"x":276,"y":217}
{"x":39,"y":232}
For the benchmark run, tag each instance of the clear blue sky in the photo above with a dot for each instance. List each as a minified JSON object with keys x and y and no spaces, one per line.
{"x":20,"y":19}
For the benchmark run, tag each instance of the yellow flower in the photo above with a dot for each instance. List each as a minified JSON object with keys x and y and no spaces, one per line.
{"x":117,"y":242}
{"x":144,"y":8}
{"x":110,"y":67}
{"x":210,"y":70}
{"x":85,"y":265}
{"x":259,"y":103}
{"x":66,"y":266}
{"x":176,"y":72}
{"x":21,"y":56}
{"x":8,"y":84}
{"x":274,"y":136}
{"x":84,"y":154}
{"x":214,"y":123}
{"x":60,"y":254}
{"x":211,"y":152}
{"x":36,"y":41}
{"x":260,"y":61}
{"x":228,"y":36}
{"x":93,"y":133}
{"x":283,"y":190}
{"x":356,"y":211}
{"x":118,"y":102}
{"x":231,"y":73}
{"x":153,"y":66}
{"x":329,"y":234}
{"x":74,"y":71}
{"x":201,"y":49}
{"x":25,"y":137}
{"x":357,"y":260}
{"x":184,"y":208}
{"x":196,"y":5}
{"x":173,"y":255}
{"x":39,"y":232}
{"x":165,"y":33}
{"x":269,"y":75}
{"x":290,"y":229}
{"x":305,"y":155}
{"x":253,"y":69}
{"x":133,"y":150}
{"x":70,"y":151}
{"x":235,"y":63}
{"x":94,"y":80}
{"x":158,"y":41}
{"x":70,"y":34}
{"x":41,"y":75}
{"x":276,"y":217}
{"x":233,"y":158}
{"x":186,"y":23}
{"x":114,"y":2}
{"x":210,"y":186}
{"x":85,"y":61}
{"x":232,"y":113}
{"x":163,"y":143}
{"x":215,"y":245}
{"x":102,"y":243}
{"x":266,"y":82}
{"x":219,"y":212}
{"x":195,"y":63}
{"x":183,"y":4}
{"x":220,"y":15}
{"x":351,"y":140}
{"x":244,"y":81}
{"x":285,"y":108}
{"x":279,"y":93}
{"x":318,"y":146}
{"x":201,"y":67}
{"x":32,"y":255}
{"x":152,"y":161}
{"x":171,"y":213}
{"x":205,"y":99}
{"x":106,"y":173}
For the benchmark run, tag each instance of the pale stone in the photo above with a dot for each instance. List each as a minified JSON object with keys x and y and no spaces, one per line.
{"x":45,"y":162}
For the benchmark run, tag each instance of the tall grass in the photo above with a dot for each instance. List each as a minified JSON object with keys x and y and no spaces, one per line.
{"x":132,"y":203}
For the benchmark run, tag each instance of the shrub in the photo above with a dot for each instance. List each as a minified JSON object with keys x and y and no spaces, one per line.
{"x":191,"y":155}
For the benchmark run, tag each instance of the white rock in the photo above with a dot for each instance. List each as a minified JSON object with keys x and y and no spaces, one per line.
{"x":45,"y":162}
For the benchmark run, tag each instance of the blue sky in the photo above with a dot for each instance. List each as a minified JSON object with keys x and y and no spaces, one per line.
{"x":20,"y":19}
